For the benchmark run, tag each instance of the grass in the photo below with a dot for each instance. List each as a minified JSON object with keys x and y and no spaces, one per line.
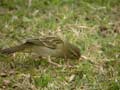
{"x":93,"y":26}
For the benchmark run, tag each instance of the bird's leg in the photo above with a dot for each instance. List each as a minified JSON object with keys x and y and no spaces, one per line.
{"x":68,"y":62}
{"x":12,"y":63}
{"x":51,"y":62}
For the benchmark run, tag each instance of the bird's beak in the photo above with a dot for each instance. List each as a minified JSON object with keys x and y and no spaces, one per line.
{"x":83,"y":58}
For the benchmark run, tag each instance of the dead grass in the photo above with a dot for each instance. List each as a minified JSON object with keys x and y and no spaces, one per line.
{"x":92,"y":25}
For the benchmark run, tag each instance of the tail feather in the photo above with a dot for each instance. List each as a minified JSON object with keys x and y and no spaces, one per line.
{"x":13,"y":49}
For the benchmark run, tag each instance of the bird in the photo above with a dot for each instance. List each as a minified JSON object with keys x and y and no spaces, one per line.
{"x":47,"y":46}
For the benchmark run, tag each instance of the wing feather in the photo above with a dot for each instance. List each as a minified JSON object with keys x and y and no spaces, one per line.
{"x":50,"y":42}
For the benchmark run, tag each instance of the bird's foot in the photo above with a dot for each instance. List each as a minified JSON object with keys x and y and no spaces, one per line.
{"x":56,"y":64}
{"x":53,"y":63}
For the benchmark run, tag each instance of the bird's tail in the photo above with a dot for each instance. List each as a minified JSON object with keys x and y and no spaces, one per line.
{"x":13,"y":49}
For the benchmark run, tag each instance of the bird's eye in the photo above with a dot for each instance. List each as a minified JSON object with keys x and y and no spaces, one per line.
{"x":74,"y":53}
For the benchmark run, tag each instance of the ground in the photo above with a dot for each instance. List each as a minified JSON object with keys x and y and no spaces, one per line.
{"x":92,"y":25}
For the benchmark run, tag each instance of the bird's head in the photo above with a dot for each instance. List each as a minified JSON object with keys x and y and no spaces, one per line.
{"x":73,"y":52}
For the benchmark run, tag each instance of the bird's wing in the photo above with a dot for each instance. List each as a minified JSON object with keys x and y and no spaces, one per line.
{"x":50,"y":42}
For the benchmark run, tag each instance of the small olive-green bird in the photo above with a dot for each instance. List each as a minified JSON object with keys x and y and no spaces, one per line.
{"x":46,"y":46}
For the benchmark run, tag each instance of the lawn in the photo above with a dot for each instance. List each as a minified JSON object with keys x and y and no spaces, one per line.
{"x":92,"y":25}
